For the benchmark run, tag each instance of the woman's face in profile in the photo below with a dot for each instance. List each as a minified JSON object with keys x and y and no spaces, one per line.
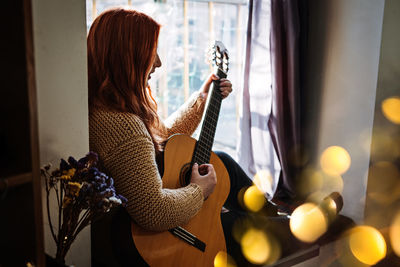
{"x":156,"y":64}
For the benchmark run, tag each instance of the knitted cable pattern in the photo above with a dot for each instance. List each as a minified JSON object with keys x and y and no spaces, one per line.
{"x":127,"y":154}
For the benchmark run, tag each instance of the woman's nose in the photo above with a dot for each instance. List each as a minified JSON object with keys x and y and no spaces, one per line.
{"x":157,"y":63}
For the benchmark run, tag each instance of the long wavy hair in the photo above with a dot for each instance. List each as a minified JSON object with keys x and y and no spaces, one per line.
{"x":122,"y":46}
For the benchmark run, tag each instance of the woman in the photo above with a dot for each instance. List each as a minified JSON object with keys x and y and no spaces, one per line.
{"x":124,"y":127}
{"x":126,"y":131}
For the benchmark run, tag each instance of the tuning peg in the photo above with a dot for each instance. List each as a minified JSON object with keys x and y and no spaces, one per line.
{"x":226,"y":56}
{"x":225,"y":67}
{"x":218,"y":52}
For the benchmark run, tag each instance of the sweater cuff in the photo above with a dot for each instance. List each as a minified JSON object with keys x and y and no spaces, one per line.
{"x":197,"y":193}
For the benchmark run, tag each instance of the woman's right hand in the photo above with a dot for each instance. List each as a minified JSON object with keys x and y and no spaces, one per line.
{"x":204,"y":176}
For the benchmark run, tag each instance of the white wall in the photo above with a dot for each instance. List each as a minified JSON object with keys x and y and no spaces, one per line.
{"x":345,"y":38}
{"x":59,"y":29}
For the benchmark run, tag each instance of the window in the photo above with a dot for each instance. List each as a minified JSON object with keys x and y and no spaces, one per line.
{"x":188,"y":29}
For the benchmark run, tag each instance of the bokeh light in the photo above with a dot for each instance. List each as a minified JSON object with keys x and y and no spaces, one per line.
{"x":310,"y":181}
{"x":385,"y":145}
{"x":332,"y":183}
{"x":222,"y":259}
{"x":384,"y":187}
{"x":391,"y":109}
{"x":263,"y":180}
{"x":395,"y":234}
{"x":308,"y":222}
{"x":330,"y":207}
{"x":335,"y":160}
{"x":240,"y":227}
{"x":316,"y":197}
{"x":367,"y":244}
{"x":254,"y":198}
{"x":255,"y":246}
{"x":342,"y":254}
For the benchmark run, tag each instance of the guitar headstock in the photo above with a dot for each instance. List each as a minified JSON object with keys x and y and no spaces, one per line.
{"x":219,"y":56}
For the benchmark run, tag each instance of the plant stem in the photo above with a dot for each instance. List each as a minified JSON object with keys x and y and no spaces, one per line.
{"x":83,"y":216}
{"x":60,"y":203}
{"x":48,"y":211}
{"x":82,"y":225}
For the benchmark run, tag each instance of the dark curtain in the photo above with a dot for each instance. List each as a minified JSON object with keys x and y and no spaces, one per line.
{"x":287,"y":43}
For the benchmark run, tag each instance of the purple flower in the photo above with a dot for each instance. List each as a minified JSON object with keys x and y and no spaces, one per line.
{"x":94,"y":171}
{"x":110,"y":182}
{"x":97,"y":190}
{"x":83,"y":161}
{"x":81,"y":186}
{"x":92,"y":157}
{"x":64,"y":166}
{"x":123,"y":199}
{"x":72,"y":161}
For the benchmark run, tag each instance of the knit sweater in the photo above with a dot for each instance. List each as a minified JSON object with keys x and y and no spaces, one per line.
{"x":127,"y":154}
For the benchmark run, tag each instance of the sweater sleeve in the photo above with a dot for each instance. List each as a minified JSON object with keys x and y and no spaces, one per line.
{"x":186,"y":119}
{"x":133,"y":166}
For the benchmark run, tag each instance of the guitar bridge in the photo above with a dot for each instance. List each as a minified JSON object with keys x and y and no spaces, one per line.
{"x":188,"y":238}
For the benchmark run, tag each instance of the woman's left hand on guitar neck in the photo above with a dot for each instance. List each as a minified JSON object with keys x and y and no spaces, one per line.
{"x":225,"y":86}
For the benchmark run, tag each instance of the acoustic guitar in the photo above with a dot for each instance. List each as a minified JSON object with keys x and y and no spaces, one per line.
{"x":198,"y":242}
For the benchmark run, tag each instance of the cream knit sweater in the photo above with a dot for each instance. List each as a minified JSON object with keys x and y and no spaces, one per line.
{"x":127,"y":153}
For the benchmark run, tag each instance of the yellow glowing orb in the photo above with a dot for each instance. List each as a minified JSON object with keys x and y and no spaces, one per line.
{"x":222,"y":259}
{"x":385,"y":145}
{"x":335,"y":160}
{"x":317,"y":197}
{"x":367,"y":244}
{"x":395,"y":234}
{"x":256,"y":246}
{"x":310,"y":181}
{"x":333,"y":183}
{"x":391,"y":109}
{"x":308,"y":222}
{"x":254,"y":199}
{"x":384,"y":182}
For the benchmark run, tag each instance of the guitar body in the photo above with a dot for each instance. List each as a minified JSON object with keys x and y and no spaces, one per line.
{"x":165,"y":249}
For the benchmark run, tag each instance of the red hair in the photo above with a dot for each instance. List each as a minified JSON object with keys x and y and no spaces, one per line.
{"x":122,"y":47}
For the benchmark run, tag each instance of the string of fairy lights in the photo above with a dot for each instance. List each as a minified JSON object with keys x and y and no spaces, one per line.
{"x":362,"y":245}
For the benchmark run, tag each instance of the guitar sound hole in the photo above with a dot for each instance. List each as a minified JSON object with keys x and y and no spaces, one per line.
{"x":184,"y":176}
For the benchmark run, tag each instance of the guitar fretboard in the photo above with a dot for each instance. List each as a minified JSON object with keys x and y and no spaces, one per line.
{"x":204,"y":145}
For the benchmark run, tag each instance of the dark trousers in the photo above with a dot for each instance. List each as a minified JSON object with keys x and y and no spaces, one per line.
{"x":238,"y":218}
{"x":237,"y":214}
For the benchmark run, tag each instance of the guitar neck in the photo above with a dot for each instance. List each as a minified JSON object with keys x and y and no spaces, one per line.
{"x":204,"y":145}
